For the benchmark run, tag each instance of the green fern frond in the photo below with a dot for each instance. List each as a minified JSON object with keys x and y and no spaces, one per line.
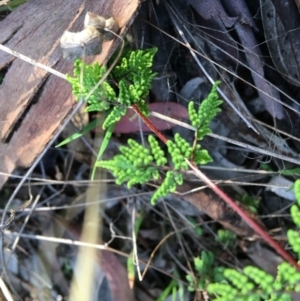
{"x":294,"y":236}
{"x":169,"y":184}
{"x":134,"y":76}
{"x":226,"y":237}
{"x":136,"y":73}
{"x":252,"y":284}
{"x":135,"y":164}
{"x":132,"y":165}
{"x":177,"y":154}
{"x":255,"y":284}
{"x":114,"y":116}
{"x":206,"y":112}
{"x":206,"y":272}
{"x":85,"y":79}
{"x":135,"y":60}
{"x":124,"y":93}
{"x":201,"y":156}
{"x":240,"y":281}
{"x":157,"y":152}
{"x":180,"y":149}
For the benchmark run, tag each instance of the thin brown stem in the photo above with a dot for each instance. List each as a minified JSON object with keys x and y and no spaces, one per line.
{"x":150,"y":124}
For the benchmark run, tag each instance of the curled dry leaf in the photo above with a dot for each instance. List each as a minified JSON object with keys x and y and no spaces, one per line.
{"x":104,"y":26}
{"x":130,"y":122}
{"x":79,"y":44}
{"x":89,"y":40}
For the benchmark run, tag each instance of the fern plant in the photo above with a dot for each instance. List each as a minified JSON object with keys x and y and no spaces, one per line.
{"x":128,"y":85}
{"x":252,"y":283}
{"x":133,"y":78}
{"x":138,"y":164}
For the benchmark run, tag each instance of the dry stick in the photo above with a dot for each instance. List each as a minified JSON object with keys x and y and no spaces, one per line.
{"x":31,"y":61}
{"x":154,"y":251}
{"x":5,"y":291}
{"x":250,"y":222}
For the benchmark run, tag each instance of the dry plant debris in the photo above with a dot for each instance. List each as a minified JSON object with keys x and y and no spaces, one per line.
{"x":229,"y":34}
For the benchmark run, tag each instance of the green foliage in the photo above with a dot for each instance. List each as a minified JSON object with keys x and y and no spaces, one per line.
{"x":85,"y":79}
{"x":206,"y":270}
{"x":226,"y":237}
{"x":252,"y":283}
{"x":250,"y":201}
{"x":180,"y":149}
{"x":198,"y":230}
{"x":133,"y":76}
{"x":206,"y":112}
{"x":293,"y":236}
{"x":137,"y":164}
{"x":168,"y":185}
{"x":134,"y":165}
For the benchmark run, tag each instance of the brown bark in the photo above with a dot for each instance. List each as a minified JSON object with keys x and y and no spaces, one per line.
{"x":33,"y":104}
